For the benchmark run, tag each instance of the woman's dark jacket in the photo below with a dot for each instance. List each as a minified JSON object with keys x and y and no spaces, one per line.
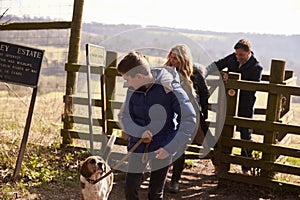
{"x":201,"y":88}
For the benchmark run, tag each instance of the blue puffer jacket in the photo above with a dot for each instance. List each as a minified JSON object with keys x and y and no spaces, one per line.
{"x":163,"y":108}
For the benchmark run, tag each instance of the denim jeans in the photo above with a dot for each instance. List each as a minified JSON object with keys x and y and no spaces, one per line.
{"x":246,"y":135}
{"x":177,"y":169}
{"x":157,"y":178}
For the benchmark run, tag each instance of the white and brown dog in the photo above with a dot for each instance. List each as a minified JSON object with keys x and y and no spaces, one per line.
{"x":96,"y":176}
{"x":92,"y":186}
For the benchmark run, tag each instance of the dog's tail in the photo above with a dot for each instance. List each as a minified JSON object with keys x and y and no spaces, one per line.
{"x":109,"y":145}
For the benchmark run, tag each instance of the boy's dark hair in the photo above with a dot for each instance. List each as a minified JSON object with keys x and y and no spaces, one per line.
{"x":243,"y":44}
{"x":133,"y":63}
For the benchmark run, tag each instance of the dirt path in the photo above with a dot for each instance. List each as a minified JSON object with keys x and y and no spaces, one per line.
{"x":200,"y":182}
{"x":197,"y":183}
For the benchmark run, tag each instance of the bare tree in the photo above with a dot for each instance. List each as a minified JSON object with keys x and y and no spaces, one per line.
{"x":3,"y":16}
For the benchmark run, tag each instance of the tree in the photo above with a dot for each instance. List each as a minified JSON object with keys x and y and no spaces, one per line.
{"x":3,"y":16}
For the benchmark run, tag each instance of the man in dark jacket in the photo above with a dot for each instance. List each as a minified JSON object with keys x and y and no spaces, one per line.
{"x":243,"y":62}
{"x":156,"y":107}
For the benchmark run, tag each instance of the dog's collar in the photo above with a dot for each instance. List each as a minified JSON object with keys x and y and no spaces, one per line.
{"x":91,"y":181}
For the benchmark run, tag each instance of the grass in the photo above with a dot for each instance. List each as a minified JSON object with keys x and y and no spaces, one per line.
{"x":41,"y":166}
{"x":44,"y":161}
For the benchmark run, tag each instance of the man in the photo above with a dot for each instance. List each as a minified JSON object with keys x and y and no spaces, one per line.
{"x":242,"y":61}
{"x":156,"y":107}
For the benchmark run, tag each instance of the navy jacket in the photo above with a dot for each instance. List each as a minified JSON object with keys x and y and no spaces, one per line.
{"x":250,"y":71}
{"x":164,"y":109}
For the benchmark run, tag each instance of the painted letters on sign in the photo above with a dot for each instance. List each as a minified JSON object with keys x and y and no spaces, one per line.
{"x":19,"y":64}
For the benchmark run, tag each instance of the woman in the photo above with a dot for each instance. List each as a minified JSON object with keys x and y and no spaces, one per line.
{"x":193,"y":82}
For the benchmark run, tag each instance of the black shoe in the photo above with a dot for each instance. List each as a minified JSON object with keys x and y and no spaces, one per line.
{"x":174,"y":187}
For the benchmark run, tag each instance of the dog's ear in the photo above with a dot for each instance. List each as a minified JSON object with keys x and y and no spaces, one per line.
{"x":84,"y":170}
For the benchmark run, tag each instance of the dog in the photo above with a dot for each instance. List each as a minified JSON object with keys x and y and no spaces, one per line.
{"x":92,"y":169}
{"x":96,"y":176}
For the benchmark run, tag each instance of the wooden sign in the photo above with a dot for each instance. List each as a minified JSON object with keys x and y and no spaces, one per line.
{"x":95,"y":55}
{"x":20,"y":64}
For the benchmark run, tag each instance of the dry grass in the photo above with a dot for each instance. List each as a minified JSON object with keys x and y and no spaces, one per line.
{"x":46,"y":121}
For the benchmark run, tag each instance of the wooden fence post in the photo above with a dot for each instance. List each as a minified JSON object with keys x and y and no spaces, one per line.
{"x":273,"y":108}
{"x":228,"y":130}
{"x":110,"y":86}
{"x":73,"y":58}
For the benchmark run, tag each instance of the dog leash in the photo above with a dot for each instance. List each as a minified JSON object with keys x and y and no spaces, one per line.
{"x":145,"y":154}
{"x":119,"y":163}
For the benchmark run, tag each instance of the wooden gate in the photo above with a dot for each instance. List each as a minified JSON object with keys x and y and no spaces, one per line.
{"x":267,"y":168}
{"x":279,"y":86}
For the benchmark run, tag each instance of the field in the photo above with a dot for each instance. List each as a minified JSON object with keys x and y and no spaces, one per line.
{"x":51,"y":172}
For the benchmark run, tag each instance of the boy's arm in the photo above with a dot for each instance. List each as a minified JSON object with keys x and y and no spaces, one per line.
{"x":187,"y":121}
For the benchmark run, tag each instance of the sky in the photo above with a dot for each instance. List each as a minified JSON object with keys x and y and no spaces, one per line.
{"x":255,"y":16}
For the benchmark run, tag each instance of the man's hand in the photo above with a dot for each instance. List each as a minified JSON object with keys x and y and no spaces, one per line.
{"x":147,"y":136}
{"x":161,"y":153}
{"x":224,"y":76}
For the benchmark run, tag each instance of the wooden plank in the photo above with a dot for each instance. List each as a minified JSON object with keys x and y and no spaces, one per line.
{"x":83,"y":100}
{"x":263,"y":125}
{"x":81,"y":120}
{"x":35,"y":25}
{"x":83,"y":135}
{"x":247,"y":85}
{"x":288,"y":75}
{"x":115,"y":104}
{"x":263,"y":87}
{"x":267,"y":148}
{"x":112,"y":71}
{"x":72,"y":67}
{"x":261,"y":164}
{"x":260,"y":111}
{"x":285,"y":89}
{"x":265,"y":77}
{"x":110,"y":84}
{"x":261,"y":181}
{"x":112,"y":124}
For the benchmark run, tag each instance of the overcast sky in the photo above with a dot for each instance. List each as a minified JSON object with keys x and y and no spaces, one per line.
{"x":255,"y":16}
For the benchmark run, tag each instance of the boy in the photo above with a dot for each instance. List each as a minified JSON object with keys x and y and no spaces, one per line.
{"x":156,"y":107}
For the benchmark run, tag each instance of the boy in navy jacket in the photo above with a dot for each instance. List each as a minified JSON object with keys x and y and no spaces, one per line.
{"x":156,"y":107}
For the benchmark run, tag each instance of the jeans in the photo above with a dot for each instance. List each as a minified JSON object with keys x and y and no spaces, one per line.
{"x":157,"y":178}
{"x":177,"y":168}
{"x":245,"y":135}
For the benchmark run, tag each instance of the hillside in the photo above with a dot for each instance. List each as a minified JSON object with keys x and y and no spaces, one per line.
{"x":215,"y":44}
{"x":206,"y":46}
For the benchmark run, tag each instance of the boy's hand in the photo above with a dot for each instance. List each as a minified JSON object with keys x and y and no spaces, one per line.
{"x":161,"y":153}
{"x":147,"y":135}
